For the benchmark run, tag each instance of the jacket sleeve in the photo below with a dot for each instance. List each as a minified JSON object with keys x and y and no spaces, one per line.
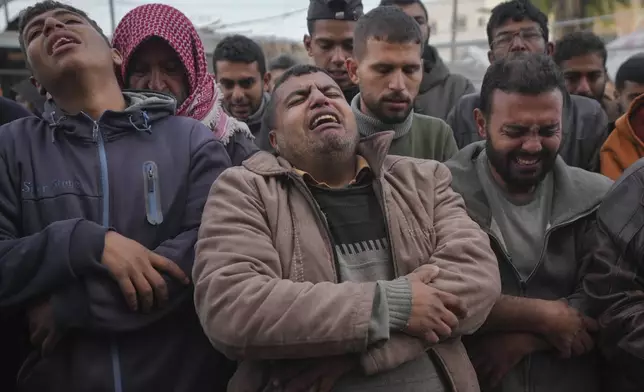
{"x":106,"y":310}
{"x":586,"y":250}
{"x":35,"y":265}
{"x":468,"y":269}
{"x":240,"y":147}
{"x":246,"y":308}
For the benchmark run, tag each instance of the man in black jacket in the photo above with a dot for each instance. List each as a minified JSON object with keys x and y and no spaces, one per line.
{"x":615,"y":283}
{"x":516,"y":27}
{"x":100,"y":206}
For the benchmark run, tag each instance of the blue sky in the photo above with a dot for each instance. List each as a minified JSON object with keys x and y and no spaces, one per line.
{"x":201,"y":12}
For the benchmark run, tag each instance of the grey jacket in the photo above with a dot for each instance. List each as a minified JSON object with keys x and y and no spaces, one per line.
{"x":440,"y":90}
{"x":584,"y":128}
{"x":569,"y":244}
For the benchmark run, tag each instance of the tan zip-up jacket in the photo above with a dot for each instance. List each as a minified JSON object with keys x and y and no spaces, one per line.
{"x":265,"y":279}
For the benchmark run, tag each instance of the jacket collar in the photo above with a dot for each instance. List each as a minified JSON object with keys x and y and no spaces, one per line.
{"x":144,"y":108}
{"x":373,"y":148}
{"x":576,"y":191}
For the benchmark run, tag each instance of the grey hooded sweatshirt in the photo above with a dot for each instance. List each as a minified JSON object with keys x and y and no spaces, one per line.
{"x":66,"y":180}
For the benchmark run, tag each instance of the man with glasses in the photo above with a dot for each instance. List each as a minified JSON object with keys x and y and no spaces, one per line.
{"x":517,"y":27}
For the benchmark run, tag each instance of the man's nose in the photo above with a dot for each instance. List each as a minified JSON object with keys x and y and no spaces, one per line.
{"x":51,"y":24}
{"x":156,"y":82}
{"x":583,"y":87}
{"x":339,"y":56}
{"x":532,"y":145}
{"x":397,"y":81}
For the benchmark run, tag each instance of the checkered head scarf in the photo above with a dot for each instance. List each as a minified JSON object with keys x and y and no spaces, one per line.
{"x":204,"y":102}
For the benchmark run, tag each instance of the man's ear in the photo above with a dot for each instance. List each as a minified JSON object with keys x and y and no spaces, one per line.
{"x":307,"y":44}
{"x":267,"y":81}
{"x":272,"y":138}
{"x":490,"y":56}
{"x":117,"y":58}
{"x":352,"y":69}
{"x":38,"y":86}
{"x":550,"y":48}
{"x":481,"y":123}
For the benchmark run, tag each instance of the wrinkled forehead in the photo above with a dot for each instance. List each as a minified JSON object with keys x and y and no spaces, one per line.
{"x":527,"y":109}
{"x":304,"y":83}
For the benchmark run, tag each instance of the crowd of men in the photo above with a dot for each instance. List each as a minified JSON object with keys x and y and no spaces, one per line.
{"x":367,"y":222}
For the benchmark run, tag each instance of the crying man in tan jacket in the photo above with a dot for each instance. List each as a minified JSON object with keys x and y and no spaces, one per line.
{"x":334,"y":266}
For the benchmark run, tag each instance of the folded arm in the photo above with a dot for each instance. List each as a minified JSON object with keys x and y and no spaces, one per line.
{"x":99,"y":304}
{"x":246,"y":306}
{"x":35,"y":265}
{"x":468,"y":269}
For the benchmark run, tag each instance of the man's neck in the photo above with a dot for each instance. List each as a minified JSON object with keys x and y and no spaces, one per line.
{"x":336,"y":171}
{"x":91,"y":96}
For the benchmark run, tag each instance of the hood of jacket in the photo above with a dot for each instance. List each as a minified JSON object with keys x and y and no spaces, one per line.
{"x":144,"y":108}
{"x":623,"y":147}
{"x":434,"y":70}
{"x":576,"y":191}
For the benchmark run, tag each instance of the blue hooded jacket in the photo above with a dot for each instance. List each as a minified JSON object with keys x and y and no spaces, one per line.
{"x":66,"y":179}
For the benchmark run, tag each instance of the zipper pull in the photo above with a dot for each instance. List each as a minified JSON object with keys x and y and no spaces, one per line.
{"x":95,"y":131}
{"x":150,"y":172}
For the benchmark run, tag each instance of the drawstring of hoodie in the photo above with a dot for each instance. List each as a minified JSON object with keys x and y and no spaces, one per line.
{"x":55,"y":124}
{"x":146,"y":126}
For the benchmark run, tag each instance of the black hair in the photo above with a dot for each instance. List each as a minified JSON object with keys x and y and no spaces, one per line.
{"x":27,"y":14}
{"x":403,"y":3}
{"x":579,"y":43}
{"x":268,"y":119}
{"x":526,"y":74}
{"x":389,"y":24}
{"x":632,"y":70}
{"x":283,"y":61}
{"x":516,"y":10}
{"x":239,"y":49}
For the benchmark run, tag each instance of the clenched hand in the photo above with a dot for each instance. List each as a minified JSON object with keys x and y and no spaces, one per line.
{"x":568,"y":330}
{"x":136,"y":270}
{"x":434,"y":313}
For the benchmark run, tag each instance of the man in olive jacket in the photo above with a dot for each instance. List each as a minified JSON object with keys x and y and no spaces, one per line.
{"x":334,"y":263}
{"x":440,"y":89}
{"x":387,"y":65}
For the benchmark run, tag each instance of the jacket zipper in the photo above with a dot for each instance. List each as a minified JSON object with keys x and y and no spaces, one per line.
{"x":97,"y":135}
{"x":154,"y":213}
{"x":323,"y":221}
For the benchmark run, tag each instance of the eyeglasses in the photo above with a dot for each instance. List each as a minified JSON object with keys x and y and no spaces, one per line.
{"x":503,"y":40}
